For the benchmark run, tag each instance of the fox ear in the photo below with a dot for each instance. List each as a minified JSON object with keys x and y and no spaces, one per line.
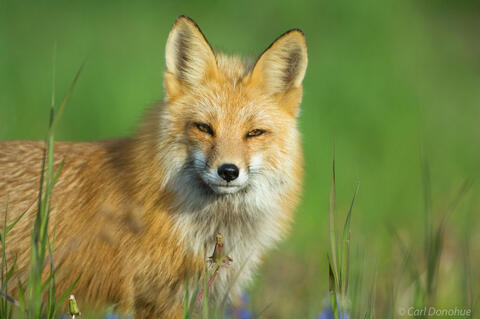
{"x":190,"y":59}
{"x":282,"y":66}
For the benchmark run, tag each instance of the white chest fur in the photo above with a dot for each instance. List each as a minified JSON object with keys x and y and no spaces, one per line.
{"x":249,"y":221}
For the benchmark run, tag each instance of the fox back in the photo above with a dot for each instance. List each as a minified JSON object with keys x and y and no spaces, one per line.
{"x":136,"y":217}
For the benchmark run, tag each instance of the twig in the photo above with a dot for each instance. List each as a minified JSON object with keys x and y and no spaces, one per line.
{"x":218,"y":260}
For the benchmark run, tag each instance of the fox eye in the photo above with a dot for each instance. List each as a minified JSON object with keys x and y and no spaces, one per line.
{"x":205,"y":128}
{"x":255,"y":132}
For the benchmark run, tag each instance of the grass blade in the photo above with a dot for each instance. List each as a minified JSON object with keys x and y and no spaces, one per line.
{"x":332,"y":290}
{"x":345,"y":258}
{"x":331,"y":219}
{"x":64,"y":296}
{"x":66,"y":98}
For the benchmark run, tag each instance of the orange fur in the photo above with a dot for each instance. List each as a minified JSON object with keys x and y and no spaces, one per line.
{"x":136,"y":216}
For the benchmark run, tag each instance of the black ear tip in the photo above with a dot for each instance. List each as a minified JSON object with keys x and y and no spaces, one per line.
{"x":182,"y":17}
{"x":296,"y":34}
{"x":186,"y":19}
{"x":288,"y":33}
{"x":295,"y":30}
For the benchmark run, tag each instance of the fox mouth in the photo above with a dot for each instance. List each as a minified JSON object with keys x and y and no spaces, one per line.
{"x":224,"y":185}
{"x":224,"y":188}
{"x":221,"y":187}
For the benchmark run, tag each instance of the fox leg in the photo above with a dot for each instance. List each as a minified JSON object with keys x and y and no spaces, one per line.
{"x":152,"y":313}
{"x":157,"y":298}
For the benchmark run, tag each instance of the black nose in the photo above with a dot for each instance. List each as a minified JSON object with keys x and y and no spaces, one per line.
{"x":228,"y":172}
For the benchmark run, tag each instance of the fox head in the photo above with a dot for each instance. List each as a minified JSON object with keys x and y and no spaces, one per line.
{"x":232,"y":122}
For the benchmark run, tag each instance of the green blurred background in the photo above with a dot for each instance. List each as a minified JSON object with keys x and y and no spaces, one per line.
{"x":387,"y":81}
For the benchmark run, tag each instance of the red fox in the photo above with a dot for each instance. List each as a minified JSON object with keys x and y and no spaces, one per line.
{"x":137,"y":216}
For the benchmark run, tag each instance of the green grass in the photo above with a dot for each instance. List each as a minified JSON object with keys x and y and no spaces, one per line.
{"x":339,"y":256}
{"x":37,"y":296}
{"x":385,"y":80}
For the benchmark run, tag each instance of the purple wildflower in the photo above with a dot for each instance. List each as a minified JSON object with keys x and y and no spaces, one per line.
{"x":328,"y":314}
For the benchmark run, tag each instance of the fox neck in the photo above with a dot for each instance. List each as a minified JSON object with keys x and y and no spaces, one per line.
{"x":251,"y":214}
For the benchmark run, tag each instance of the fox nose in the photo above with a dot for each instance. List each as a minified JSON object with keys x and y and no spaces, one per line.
{"x":228,"y":172}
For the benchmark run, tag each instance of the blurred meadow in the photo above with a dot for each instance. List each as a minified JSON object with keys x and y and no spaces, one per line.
{"x":394,"y":85}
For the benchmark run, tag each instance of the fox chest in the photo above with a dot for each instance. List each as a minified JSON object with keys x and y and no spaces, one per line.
{"x":246,"y":235}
